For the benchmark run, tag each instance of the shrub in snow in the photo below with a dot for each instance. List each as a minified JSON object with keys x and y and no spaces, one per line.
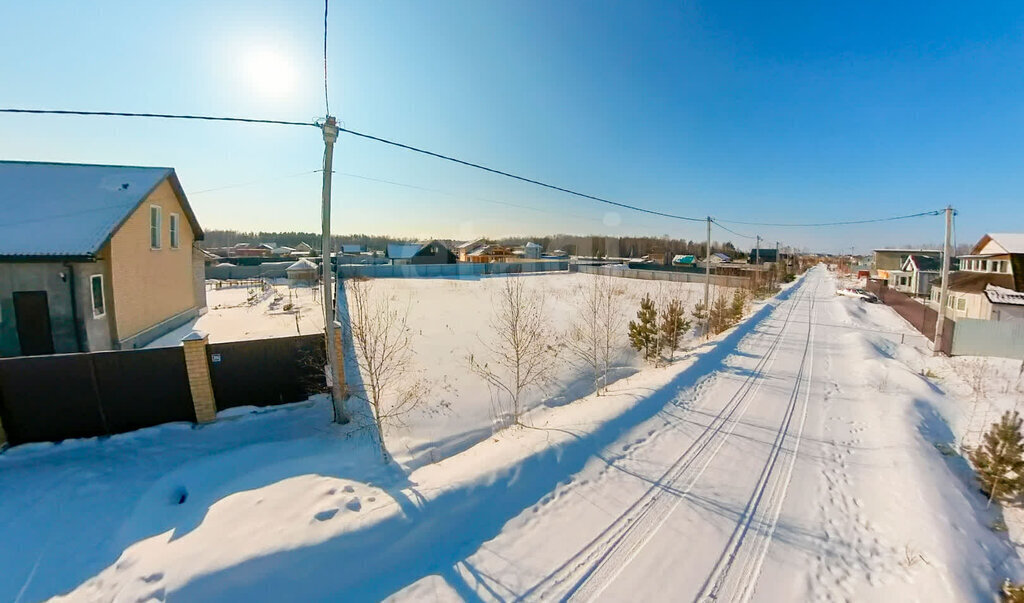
{"x":383,"y":342}
{"x":999,"y":460}
{"x":643,"y":332}
{"x":519,"y":357}
{"x":592,"y":332}
{"x":674,"y":325}
{"x":1012,"y":593}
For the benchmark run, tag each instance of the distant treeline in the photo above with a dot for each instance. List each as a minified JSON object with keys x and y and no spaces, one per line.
{"x":591,"y":245}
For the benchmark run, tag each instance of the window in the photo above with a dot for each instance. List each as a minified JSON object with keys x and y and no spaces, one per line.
{"x":175,"y":218}
{"x":155,"y":220}
{"x":96,"y":282}
{"x":961,"y":304}
{"x":949,"y":301}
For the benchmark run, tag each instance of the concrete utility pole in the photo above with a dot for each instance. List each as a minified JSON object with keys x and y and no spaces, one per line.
{"x":944,"y":292}
{"x":330,"y":130}
{"x":757,"y":263}
{"x":707,"y":284}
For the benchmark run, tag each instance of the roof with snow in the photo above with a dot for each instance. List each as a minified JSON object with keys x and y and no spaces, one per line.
{"x":65,"y":210}
{"x":721,"y":256}
{"x":1012,"y":242}
{"x":403,"y":251}
{"x":302,"y":264}
{"x":1000,"y":295}
{"x":922,"y":263}
{"x":684,"y":259}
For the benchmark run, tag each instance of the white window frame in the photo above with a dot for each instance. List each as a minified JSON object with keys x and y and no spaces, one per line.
{"x":961,"y":301}
{"x":174,"y":224}
{"x":156,"y":226}
{"x":92,"y":296}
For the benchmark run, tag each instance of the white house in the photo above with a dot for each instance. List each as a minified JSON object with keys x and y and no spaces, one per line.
{"x":916,"y":274}
{"x":989,"y":280}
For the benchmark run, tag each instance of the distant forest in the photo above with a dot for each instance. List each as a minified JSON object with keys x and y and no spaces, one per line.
{"x":595,"y":245}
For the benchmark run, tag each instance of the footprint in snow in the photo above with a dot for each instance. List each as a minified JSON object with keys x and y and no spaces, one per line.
{"x":349,"y":489}
{"x":152,"y":577}
{"x":354,"y":504}
{"x":325,"y":515}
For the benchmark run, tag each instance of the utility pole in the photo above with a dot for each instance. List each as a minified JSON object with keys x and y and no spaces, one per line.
{"x":707,"y":284}
{"x":944,"y":293}
{"x":757,"y":263}
{"x":330,"y":131}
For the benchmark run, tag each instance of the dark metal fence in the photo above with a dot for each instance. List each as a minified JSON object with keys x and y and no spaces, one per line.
{"x":264,"y":372}
{"x":919,"y":315}
{"x":44,"y":398}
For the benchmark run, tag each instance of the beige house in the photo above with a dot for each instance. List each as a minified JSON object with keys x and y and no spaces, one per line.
{"x":892,"y":260}
{"x":989,"y":278}
{"x":94,"y":257}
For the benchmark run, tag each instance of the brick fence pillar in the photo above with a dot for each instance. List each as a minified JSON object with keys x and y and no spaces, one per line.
{"x":199,"y":381}
{"x":339,"y":353}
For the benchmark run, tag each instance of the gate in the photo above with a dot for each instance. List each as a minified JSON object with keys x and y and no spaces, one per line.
{"x":266,"y":371}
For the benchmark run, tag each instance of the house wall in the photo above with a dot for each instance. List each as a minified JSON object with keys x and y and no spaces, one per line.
{"x":97,"y":332}
{"x":199,"y":277}
{"x":37,"y":276}
{"x":1007,"y":313}
{"x":152,"y":288}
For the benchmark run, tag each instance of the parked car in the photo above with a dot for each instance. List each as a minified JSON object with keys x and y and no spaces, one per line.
{"x":861,"y":294}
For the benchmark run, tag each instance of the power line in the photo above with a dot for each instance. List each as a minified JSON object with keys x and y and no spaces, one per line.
{"x":726,"y":228}
{"x":844,"y":223}
{"x":515,"y":177}
{"x":160,"y":116}
{"x":327,"y":101}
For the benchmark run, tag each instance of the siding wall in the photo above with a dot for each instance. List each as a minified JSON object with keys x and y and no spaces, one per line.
{"x":151,"y":286}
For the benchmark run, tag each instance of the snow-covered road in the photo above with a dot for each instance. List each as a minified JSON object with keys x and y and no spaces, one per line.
{"x":798,"y":471}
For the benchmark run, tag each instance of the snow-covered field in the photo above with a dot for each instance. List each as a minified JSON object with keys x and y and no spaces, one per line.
{"x":450,"y":319}
{"x":237,"y":312}
{"x":792,"y":458}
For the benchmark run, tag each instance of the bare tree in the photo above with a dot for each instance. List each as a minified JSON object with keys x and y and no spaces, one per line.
{"x":380,"y":332}
{"x":594,"y":330}
{"x":974,"y":371}
{"x":519,"y":355}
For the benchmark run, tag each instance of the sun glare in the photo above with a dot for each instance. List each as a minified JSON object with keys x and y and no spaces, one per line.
{"x":270,"y":73}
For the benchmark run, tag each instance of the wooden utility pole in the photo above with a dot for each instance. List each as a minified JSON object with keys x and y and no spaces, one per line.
{"x":757,"y":263}
{"x":330,"y":131}
{"x":944,"y":292}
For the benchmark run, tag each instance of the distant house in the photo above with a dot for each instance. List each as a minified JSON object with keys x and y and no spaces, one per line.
{"x":491,"y":253}
{"x":94,"y":257}
{"x":251,"y":250}
{"x":302,"y":272}
{"x":282,"y":250}
{"x":684,"y":260}
{"x":916,"y":274}
{"x":464,"y":249}
{"x":352,"y":248}
{"x":763,"y":256}
{"x":989,"y":280}
{"x":887,"y":260}
{"x":532,"y":251}
{"x":304,"y":248}
{"x":429,"y":252}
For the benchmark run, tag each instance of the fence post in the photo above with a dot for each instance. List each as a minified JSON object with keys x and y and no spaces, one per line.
{"x":199,"y":381}
{"x":340,"y":355}
{"x":3,"y":435}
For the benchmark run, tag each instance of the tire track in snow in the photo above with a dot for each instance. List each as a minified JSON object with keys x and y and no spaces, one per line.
{"x":592,"y":568}
{"x":758,"y":522}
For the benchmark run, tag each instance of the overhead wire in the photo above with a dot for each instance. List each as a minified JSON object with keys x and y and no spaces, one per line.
{"x":327,"y":100}
{"x":727,"y":229}
{"x":160,"y":116}
{"x":841,"y":223}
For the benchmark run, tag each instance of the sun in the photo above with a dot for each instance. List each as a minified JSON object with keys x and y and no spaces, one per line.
{"x":270,"y":73}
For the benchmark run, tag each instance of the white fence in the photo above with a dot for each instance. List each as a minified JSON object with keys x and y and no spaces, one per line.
{"x":460,"y":270}
{"x":665,"y":275}
{"x":1003,"y":339}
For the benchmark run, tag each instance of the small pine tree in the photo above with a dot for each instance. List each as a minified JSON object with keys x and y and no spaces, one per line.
{"x":720,"y":313}
{"x":739,"y":302}
{"x":673,"y":326}
{"x":643,"y":332}
{"x":999,"y":459}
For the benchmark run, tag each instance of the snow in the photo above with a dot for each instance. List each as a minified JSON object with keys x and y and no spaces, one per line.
{"x":237,"y":312}
{"x":1012,"y":242}
{"x":1002,"y":295}
{"x":795,"y":457}
{"x":56,"y":209}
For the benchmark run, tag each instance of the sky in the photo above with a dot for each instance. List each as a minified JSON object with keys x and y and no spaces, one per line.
{"x":747,"y":111}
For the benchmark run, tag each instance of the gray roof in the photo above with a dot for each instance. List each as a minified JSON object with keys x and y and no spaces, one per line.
{"x":403,"y":251}
{"x":64,"y":210}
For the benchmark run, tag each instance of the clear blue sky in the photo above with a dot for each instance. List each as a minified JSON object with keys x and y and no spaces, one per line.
{"x":748,"y":110}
